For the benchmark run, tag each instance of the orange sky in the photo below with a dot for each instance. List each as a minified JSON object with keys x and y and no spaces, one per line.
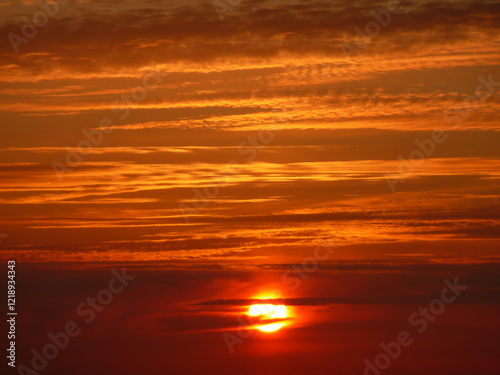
{"x":234,"y":146}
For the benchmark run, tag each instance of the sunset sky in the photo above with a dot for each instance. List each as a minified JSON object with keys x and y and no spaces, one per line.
{"x":211,"y":151}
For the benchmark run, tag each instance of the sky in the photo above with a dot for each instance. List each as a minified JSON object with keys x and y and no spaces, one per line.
{"x":337,"y":157}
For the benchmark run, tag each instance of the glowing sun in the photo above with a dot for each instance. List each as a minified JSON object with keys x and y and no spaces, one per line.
{"x":269,"y":312}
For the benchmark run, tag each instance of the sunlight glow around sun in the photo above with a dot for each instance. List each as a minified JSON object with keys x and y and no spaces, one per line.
{"x":269,"y":311}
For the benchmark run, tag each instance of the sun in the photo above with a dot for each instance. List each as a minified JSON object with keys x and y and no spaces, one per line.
{"x":269,"y":312}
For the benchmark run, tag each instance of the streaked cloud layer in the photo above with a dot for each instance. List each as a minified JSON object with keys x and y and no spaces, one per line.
{"x":331,"y":126}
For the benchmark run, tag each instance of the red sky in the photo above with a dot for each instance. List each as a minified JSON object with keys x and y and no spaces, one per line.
{"x":235,"y":146}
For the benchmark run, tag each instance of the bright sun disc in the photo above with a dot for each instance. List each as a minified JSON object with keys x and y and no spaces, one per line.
{"x":268,"y":311}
